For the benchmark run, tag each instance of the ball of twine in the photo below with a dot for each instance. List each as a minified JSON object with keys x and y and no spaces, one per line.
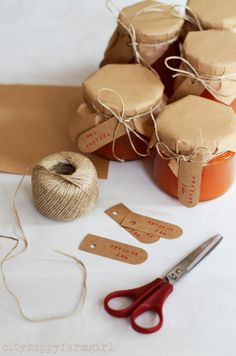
{"x":64,"y":186}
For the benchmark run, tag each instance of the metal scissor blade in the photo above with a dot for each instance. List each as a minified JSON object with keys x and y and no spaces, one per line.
{"x":192,"y":259}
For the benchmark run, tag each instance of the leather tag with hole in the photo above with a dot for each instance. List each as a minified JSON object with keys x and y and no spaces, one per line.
{"x":113,"y":249}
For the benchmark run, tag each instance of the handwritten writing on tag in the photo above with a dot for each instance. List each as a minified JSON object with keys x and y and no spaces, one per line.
{"x":118,"y":213}
{"x":100,"y":135}
{"x":152,"y":226}
{"x":146,"y":230}
{"x":189,"y":182}
{"x":113,"y":249}
{"x":142,"y":236}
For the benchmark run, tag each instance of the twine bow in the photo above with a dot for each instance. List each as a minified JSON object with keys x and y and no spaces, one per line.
{"x":167,"y":153}
{"x":204,"y":79}
{"x":125,"y":121}
{"x":161,"y":8}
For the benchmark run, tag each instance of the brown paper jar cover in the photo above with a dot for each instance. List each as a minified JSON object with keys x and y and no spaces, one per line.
{"x":212,"y":53}
{"x":141,"y":92}
{"x":156,"y":36}
{"x":215,"y":14}
{"x":190,"y":124}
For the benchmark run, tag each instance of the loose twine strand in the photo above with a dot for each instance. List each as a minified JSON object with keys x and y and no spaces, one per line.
{"x":125,"y":121}
{"x":204,"y":79}
{"x":161,"y":8}
{"x":10,"y":255}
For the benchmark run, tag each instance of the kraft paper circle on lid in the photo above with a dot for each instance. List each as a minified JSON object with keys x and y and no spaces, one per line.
{"x":216,"y":14}
{"x":138,"y":86}
{"x":211,"y":52}
{"x":194,"y":122}
{"x":151,"y":26}
{"x":115,"y":119}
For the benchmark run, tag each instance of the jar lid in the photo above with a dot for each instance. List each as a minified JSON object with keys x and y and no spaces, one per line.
{"x":152,"y":26}
{"x":195,"y":122}
{"x":134,"y":84}
{"x":216,"y":14}
{"x":211,"y":52}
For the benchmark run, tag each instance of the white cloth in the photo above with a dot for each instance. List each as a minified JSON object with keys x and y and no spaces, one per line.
{"x":62,"y":42}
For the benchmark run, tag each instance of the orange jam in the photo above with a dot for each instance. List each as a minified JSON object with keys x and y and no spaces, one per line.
{"x":123,"y":148}
{"x":164,"y":72}
{"x":217,"y":176}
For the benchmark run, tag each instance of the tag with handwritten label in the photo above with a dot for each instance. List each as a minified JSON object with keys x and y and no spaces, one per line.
{"x":113,"y":249}
{"x":150,"y":225}
{"x":100,"y":135}
{"x":143,"y":228}
{"x":189,"y":182}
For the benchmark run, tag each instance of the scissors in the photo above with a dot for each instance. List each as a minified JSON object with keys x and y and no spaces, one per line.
{"x":152,"y":296}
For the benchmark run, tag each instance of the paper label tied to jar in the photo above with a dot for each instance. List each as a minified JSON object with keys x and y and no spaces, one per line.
{"x":100,"y":135}
{"x":189,"y":182}
{"x":113,"y":249}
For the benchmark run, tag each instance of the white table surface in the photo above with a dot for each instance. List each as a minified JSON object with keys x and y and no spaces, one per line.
{"x":61,"y":42}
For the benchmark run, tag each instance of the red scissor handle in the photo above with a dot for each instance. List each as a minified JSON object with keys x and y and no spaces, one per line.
{"x":153,"y":303}
{"x":149,"y":297}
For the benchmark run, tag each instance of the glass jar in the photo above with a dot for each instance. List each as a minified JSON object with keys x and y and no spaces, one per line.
{"x":124,"y":149}
{"x":154,"y":37}
{"x":217,"y":176}
{"x":212,"y":75}
{"x":115,"y":120}
{"x":195,"y":140}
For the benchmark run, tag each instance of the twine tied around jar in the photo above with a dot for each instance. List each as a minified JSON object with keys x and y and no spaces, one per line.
{"x":203,"y":79}
{"x":160,"y":8}
{"x":125,"y":121}
{"x":167,"y":153}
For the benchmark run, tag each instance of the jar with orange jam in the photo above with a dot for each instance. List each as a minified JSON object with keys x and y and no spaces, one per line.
{"x":190,"y":128}
{"x":212,"y":14}
{"x":115,"y":120}
{"x":147,"y":32}
{"x":208,"y":67}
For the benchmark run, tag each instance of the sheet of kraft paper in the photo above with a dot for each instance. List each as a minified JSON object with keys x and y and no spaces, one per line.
{"x":34,"y":124}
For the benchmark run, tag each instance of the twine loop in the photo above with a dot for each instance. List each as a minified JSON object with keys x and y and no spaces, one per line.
{"x":167,"y":153}
{"x":125,"y":121}
{"x":14,"y":251}
{"x":204,"y":79}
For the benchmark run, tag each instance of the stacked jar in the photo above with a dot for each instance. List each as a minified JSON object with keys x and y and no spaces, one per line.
{"x":212,"y":14}
{"x":208,"y":66}
{"x":147,"y":33}
{"x":116,"y":117}
{"x":195,"y":142}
